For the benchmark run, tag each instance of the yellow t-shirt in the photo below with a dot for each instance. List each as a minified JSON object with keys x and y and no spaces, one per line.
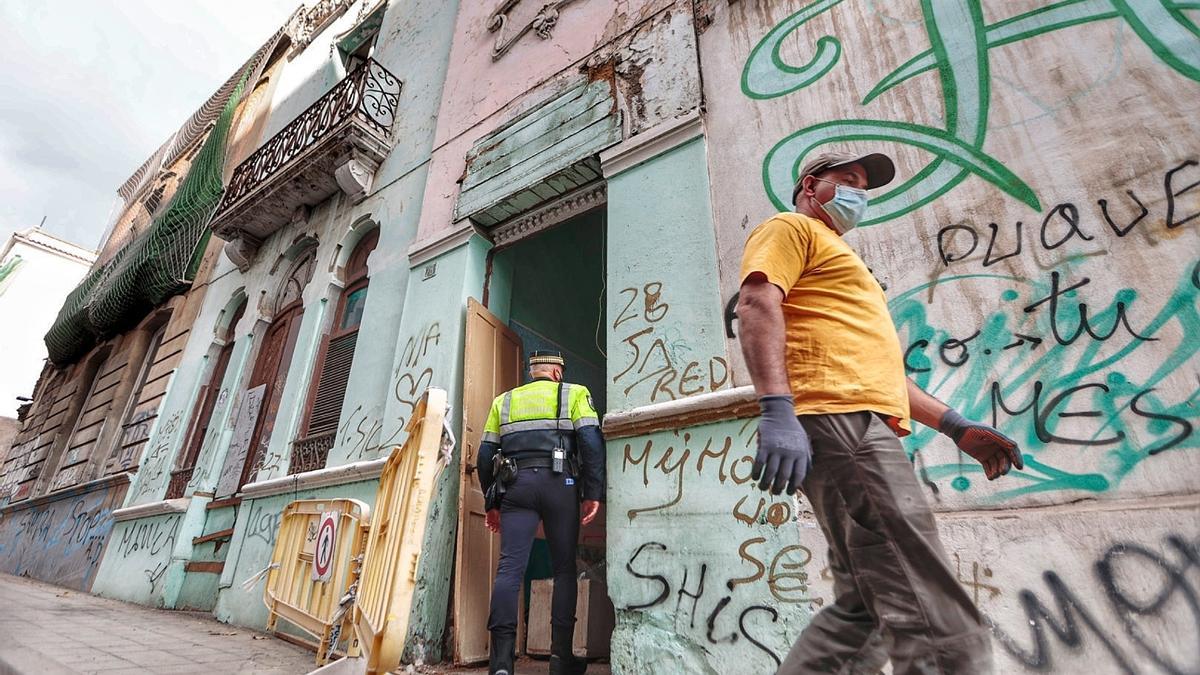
{"x":843,"y":354}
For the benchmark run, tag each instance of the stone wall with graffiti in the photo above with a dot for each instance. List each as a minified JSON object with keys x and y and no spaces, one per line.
{"x":138,"y":563}
{"x":61,"y":540}
{"x":1040,"y":254}
{"x":1039,"y":244}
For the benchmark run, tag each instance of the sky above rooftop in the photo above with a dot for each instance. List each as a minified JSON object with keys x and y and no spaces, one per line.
{"x":92,"y":88}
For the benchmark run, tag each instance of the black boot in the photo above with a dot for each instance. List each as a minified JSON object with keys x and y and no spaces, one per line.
{"x":562,"y":660}
{"x":501,"y":662}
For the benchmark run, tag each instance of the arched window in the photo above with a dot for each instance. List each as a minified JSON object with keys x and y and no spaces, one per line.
{"x":202,"y":414}
{"x":332,"y":372}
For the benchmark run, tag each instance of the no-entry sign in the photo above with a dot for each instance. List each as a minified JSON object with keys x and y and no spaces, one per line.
{"x":323,"y":553}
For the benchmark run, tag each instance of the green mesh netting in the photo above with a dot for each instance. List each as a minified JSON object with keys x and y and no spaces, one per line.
{"x":159,"y":263}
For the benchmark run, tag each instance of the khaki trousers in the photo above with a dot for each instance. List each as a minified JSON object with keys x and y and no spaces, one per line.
{"x":895,"y":593}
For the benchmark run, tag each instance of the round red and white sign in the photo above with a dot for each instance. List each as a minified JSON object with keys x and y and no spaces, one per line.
{"x":323,"y":555}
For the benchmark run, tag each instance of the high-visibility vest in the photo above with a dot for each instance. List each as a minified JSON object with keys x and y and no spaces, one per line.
{"x":537,"y":417}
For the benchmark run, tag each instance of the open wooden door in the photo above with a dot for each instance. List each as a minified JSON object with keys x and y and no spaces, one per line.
{"x":491,"y":366}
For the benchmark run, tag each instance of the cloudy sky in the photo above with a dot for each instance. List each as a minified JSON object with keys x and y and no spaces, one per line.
{"x":90,"y":88}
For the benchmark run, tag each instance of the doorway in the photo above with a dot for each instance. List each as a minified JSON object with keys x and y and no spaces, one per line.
{"x":544,"y":291}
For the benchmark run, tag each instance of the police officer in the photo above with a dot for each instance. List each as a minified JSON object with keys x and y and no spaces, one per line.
{"x":541,"y":452}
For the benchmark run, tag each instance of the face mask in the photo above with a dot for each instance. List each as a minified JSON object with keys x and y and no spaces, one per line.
{"x":846,"y":208}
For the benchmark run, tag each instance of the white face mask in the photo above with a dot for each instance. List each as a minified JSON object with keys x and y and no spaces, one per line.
{"x":846,"y":208}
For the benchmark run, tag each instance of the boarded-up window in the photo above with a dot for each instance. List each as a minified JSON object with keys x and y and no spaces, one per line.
{"x":334,"y":361}
{"x":142,"y":408}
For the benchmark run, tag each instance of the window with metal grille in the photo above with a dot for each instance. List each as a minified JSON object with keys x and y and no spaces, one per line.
{"x":334,"y":362}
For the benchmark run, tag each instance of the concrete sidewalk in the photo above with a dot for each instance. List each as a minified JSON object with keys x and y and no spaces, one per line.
{"x":50,"y":630}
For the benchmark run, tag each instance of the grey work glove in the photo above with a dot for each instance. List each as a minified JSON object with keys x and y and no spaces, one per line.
{"x":995,"y":451}
{"x":784,"y":451}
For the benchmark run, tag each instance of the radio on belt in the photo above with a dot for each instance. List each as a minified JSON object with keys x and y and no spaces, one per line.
{"x":557,"y":462}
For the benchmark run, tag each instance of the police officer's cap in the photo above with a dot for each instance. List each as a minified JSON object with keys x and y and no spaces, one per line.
{"x":549,"y":356}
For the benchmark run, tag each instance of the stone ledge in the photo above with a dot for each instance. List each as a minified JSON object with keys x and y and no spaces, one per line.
{"x":427,"y":249}
{"x":651,"y":143}
{"x":309,"y":480}
{"x":71,"y":491}
{"x":717,"y":406}
{"x":152,"y":509}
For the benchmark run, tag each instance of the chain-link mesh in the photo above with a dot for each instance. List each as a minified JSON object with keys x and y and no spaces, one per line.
{"x":161,"y":261}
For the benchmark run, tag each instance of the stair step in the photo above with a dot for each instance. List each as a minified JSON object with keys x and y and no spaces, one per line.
{"x":206,"y":566}
{"x":219,"y":535}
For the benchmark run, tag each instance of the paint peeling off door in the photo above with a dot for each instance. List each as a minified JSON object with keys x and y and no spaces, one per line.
{"x":491,"y":365}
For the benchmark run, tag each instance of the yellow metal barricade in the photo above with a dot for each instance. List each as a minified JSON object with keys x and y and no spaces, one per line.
{"x":394,"y":540}
{"x":315,"y":564}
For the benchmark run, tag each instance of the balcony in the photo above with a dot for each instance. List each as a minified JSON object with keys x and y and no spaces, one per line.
{"x":336,"y":144}
{"x":310,"y":454}
{"x":179,"y":482}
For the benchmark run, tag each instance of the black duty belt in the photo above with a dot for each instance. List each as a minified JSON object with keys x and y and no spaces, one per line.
{"x":535,"y":463}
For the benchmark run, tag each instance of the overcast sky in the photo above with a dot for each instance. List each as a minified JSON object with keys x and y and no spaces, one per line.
{"x":90,"y":88}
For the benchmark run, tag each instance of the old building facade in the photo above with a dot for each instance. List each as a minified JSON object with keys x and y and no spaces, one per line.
{"x":417,"y":192}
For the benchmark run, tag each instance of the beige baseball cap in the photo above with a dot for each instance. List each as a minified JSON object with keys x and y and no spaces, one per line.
{"x":879,"y":167}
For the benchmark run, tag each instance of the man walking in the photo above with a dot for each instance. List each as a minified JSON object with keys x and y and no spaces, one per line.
{"x":541,"y":450}
{"x":828,"y":369}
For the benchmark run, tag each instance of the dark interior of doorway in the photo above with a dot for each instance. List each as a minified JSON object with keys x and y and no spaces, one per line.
{"x":552,"y":285}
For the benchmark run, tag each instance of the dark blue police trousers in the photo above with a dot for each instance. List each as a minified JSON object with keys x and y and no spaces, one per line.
{"x":536,"y":494}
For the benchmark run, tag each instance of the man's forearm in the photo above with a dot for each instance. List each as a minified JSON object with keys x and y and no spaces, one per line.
{"x":761,"y":333}
{"x":924,"y":408}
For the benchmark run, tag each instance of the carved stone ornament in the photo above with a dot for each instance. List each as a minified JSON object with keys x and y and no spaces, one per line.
{"x":541,"y":23}
{"x":355,"y":176}
{"x":306,"y":22}
{"x":242,"y":251}
{"x":552,"y":213}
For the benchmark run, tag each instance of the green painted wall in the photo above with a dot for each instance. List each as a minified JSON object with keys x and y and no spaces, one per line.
{"x":665,"y":338}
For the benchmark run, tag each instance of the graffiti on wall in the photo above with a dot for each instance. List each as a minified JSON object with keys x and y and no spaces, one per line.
{"x":147,"y":542}
{"x":362,"y":433}
{"x":656,"y":358}
{"x":1063,"y":361}
{"x":60,"y":541}
{"x":960,"y":39}
{"x":156,"y":464}
{"x":1144,"y":588}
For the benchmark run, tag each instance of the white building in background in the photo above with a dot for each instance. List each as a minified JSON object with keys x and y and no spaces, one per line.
{"x":37,"y":271}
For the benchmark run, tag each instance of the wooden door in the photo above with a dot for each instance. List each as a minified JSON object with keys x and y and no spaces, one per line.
{"x":270,"y":369}
{"x":491,"y":366}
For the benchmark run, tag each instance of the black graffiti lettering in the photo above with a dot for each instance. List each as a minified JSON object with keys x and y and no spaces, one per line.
{"x":1172,"y":193}
{"x":1052,"y":405}
{"x":742,"y":626}
{"x":947,"y":256}
{"x":712,"y":623}
{"x":665,"y":589}
{"x":953,"y":344}
{"x":987,"y":257}
{"x":1069,"y":214}
{"x":731,"y":315}
{"x":1067,"y":630}
{"x":908,"y":366}
{"x":1126,"y":607}
{"x":1084,"y":324}
{"x":1122,"y":231}
{"x":694,"y":596}
{"x":998,"y":402}
{"x":1184,"y":433}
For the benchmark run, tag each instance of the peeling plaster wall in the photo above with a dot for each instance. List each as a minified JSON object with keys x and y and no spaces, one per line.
{"x":1038,"y":249}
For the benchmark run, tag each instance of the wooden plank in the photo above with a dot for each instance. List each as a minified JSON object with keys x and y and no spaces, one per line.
{"x":575,"y":96}
{"x":536,"y":140}
{"x":571,"y":150}
{"x":205,"y":566}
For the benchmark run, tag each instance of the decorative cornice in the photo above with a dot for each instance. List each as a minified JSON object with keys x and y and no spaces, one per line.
{"x":307,"y":22}
{"x":651,"y":143}
{"x":422,"y":252}
{"x":337,"y":475}
{"x":542,"y":23}
{"x":162,"y":508}
{"x":104,"y":483}
{"x":717,"y":406}
{"x":552,"y":213}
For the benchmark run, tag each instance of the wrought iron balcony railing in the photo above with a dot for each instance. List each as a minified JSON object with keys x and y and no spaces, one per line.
{"x":310,"y":454}
{"x":338,"y":141}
